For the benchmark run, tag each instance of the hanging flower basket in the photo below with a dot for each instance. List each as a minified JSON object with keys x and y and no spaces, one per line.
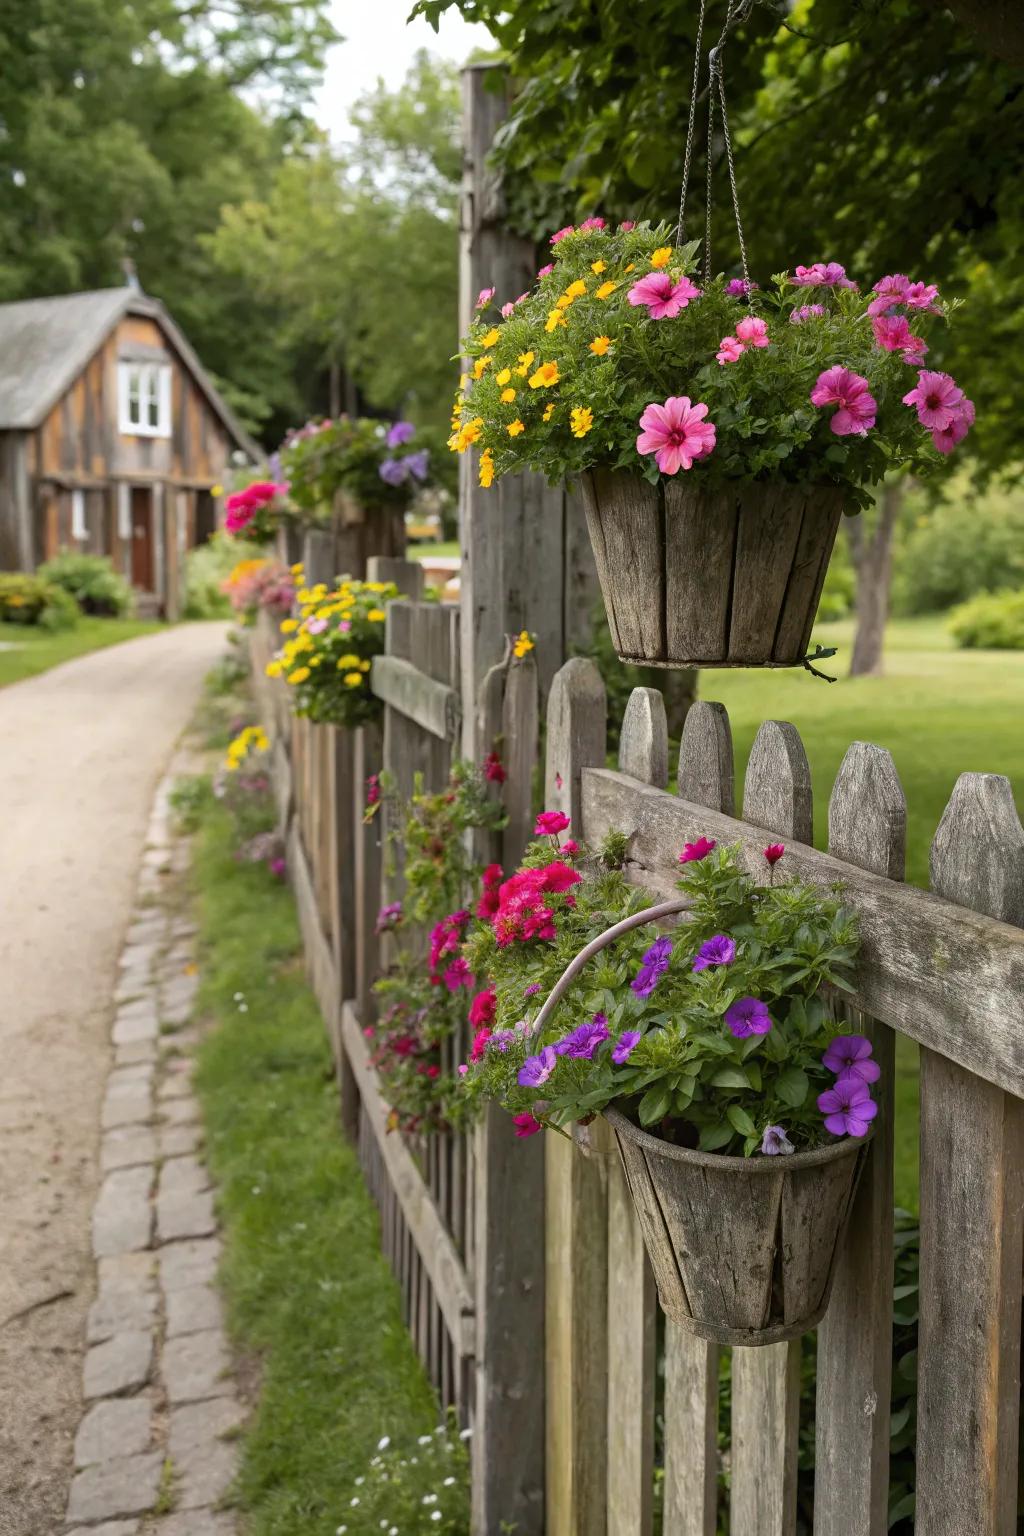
{"x":743,"y":1250}
{"x":722,"y":577}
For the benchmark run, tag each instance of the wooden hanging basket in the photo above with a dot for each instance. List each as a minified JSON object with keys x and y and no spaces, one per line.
{"x":710,"y":578}
{"x":743,"y":1249}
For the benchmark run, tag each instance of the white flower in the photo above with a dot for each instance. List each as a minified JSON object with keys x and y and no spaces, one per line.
{"x":383,"y":1442}
{"x":464,"y":1434}
{"x":360,"y":1481}
{"x":449,"y":1482}
{"x":423,"y":1440}
{"x":393,"y":1531}
{"x":429,"y":1498}
{"x":436,"y":1515}
{"x":341,"y":1530}
{"x":353,"y":1503}
{"x":238,"y":997}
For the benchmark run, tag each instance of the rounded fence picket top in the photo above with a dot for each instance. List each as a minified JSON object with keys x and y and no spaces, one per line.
{"x":723,"y":577}
{"x":743,"y":1249}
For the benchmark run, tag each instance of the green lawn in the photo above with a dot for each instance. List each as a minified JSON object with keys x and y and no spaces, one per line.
{"x":446,"y":550}
{"x":36,"y":650}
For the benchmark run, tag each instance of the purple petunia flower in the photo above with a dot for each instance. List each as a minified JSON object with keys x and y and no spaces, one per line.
{"x":736,"y":288}
{"x":720,"y":950}
{"x":416,"y":463}
{"x":583,"y":1042}
{"x":502,"y":1039}
{"x":775,"y":1142}
{"x":537,"y":1069}
{"x":532,"y":989}
{"x":393,"y":471}
{"x":848,"y":1107}
{"x":850,"y":1056}
{"x":748,"y":1016}
{"x":652,"y":967}
{"x":389,"y":916}
{"x":625,"y":1046}
{"x":402,"y":431}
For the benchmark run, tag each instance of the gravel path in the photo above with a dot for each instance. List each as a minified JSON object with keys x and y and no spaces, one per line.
{"x":82,"y":749}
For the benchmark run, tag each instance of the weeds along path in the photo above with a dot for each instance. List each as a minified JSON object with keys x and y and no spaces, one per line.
{"x":81,"y":751}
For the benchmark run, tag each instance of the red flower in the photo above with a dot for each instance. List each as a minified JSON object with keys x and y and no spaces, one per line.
{"x":404,"y":1045}
{"x":488,"y":904}
{"x":480,"y":1040}
{"x":773,"y":853}
{"x":494,"y":772}
{"x":493,"y":875}
{"x":692,"y":852}
{"x":559,"y":877}
{"x":483,"y":1008}
{"x":526,"y":1125}
{"x":550,"y":823}
{"x":570,"y":848}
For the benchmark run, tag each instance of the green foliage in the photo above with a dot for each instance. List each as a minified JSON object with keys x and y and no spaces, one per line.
{"x":991,"y":622}
{"x":965,"y":544}
{"x":839,"y":591}
{"x":539,"y":398}
{"x":190,"y":799}
{"x":689,"y":1075}
{"x":29,"y":599}
{"x":325,"y":459}
{"x":207,"y":568}
{"x":91,"y":580}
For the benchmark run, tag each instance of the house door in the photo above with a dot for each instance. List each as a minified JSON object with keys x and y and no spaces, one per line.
{"x":142,"y":538}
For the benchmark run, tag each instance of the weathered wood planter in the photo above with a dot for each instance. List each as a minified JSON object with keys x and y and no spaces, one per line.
{"x":710,"y":578}
{"x":743,"y":1249}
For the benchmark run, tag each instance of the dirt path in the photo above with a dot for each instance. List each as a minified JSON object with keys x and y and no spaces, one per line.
{"x":81,"y":751}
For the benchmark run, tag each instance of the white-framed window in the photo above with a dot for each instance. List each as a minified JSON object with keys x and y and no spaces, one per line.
{"x":144,"y":399}
{"x":79,"y":527}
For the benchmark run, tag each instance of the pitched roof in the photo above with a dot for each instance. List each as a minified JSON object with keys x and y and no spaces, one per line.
{"x":45,"y":344}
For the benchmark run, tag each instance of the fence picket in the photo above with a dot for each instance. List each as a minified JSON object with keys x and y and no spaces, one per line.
{"x":520,"y":733}
{"x":867,"y":820}
{"x":972,"y":1204}
{"x":643,"y":740}
{"x":777,"y":787}
{"x":705,"y":758}
{"x":577,"y":733}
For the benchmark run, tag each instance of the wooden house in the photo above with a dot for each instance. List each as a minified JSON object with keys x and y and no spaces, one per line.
{"x":113,"y":440}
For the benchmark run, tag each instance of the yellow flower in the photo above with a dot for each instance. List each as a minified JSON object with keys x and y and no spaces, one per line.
{"x":523,"y":642}
{"x":297,"y":569}
{"x":299,"y":675}
{"x":486,"y":469}
{"x":554,"y":320}
{"x":374,"y":586}
{"x":549,"y":411}
{"x":364,"y":666}
{"x":507,"y":396}
{"x":504,"y":377}
{"x":576,"y":290}
{"x":630,"y":267}
{"x":216,"y":490}
{"x":525,"y":363}
{"x":514,"y":428}
{"x":494,"y":336}
{"x":597,"y":267}
{"x":463,"y":380}
{"x":353,"y":679}
{"x":563,"y":301}
{"x":303,"y":595}
{"x":289,"y":626}
{"x":479,"y":366}
{"x":581,"y":419}
{"x":661,"y":258}
{"x":546,"y":375}
{"x":605,"y":290}
{"x":467,"y":434}
{"x":376,"y":615}
{"x":346,"y":663}
{"x":600,"y":344}
{"x":274,"y":668}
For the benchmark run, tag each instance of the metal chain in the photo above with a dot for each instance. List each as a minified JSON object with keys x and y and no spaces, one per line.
{"x":716,"y":69}
{"x":688,"y":152}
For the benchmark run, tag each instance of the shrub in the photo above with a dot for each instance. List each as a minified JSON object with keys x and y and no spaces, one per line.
{"x":990,"y":622}
{"x":958,"y":549}
{"x":207,"y":569}
{"x":840,"y":589}
{"x":28,"y":599}
{"x":92,"y":581}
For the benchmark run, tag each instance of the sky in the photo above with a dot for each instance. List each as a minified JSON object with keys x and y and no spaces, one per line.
{"x":378,"y":43}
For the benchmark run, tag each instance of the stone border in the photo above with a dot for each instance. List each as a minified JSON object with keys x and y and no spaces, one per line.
{"x":155,"y":1453}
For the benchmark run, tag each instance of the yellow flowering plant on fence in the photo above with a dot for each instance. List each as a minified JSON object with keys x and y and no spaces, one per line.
{"x":329,"y":649}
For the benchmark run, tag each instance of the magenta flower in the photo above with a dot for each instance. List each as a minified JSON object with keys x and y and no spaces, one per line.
{"x":676,"y":433}
{"x":526,"y":1125}
{"x":537,"y":1069}
{"x":938,"y":400}
{"x":736,"y":288}
{"x":591,"y":224}
{"x":857,"y":405}
{"x":627,"y":225}
{"x":775,"y":1142}
{"x":545,"y":270}
{"x":550,"y":823}
{"x":752,"y":331}
{"x":720,"y":950}
{"x":389,"y":916}
{"x":625,"y":1046}
{"x":277,"y":867}
{"x":484,"y":297}
{"x":560,"y":234}
{"x":583,"y":1042}
{"x":822,"y":274}
{"x":947,"y":438}
{"x":806,"y":312}
{"x":458,"y":975}
{"x":848,"y":1107}
{"x":663,"y":297}
{"x":506,"y":309}
{"x":773,"y":853}
{"x":748,"y":1016}
{"x":850,"y":1056}
{"x":922,"y":296}
{"x":893,"y":334}
{"x":532,"y":989}
{"x":730,"y":350}
{"x":889,"y":291}
{"x":652,"y":967}
{"x":693,"y":852}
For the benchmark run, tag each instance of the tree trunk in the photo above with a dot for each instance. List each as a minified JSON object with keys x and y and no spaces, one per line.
{"x":334,"y":391}
{"x":680,"y":690}
{"x":872,"y":561}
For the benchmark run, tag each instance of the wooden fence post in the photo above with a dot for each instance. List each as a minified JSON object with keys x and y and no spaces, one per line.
{"x":867,"y":826}
{"x":972,"y":1215}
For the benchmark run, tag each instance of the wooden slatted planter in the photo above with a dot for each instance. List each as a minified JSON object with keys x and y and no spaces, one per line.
{"x":710,"y":578}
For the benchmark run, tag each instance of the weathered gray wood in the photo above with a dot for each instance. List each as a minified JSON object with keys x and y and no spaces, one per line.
{"x":318,"y":952}
{"x":431,"y":1241}
{"x":626,"y":519}
{"x":947,"y":977}
{"x":706,"y":774}
{"x":691,"y":1434}
{"x":520,"y":734}
{"x":318,"y":557}
{"x":777,"y":787}
{"x":368,"y":850}
{"x":407,"y":575}
{"x":821,"y":515}
{"x":700,"y":540}
{"x":431,"y":705}
{"x":631,"y":1366}
{"x":581,"y":593}
{"x":867,"y":821}
{"x":972,"y":1203}
{"x":643,"y":741}
{"x":577,"y":734}
{"x":765,"y":1431}
{"x":767,"y":531}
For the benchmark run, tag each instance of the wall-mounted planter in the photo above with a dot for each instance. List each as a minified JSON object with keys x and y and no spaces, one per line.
{"x":710,"y":578}
{"x":743,"y":1249}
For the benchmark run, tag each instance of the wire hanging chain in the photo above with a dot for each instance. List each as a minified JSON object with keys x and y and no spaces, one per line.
{"x":688,"y":151}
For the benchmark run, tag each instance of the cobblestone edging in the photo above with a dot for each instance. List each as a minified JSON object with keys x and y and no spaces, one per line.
{"x":155,"y":1452}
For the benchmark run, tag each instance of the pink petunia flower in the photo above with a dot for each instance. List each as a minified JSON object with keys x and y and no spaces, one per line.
{"x":545,"y":270}
{"x":806,"y":312}
{"x":922,"y":296}
{"x":893,"y":334}
{"x":947,"y":439}
{"x":676,"y":433}
{"x":526,"y":1125}
{"x":937,"y":398}
{"x":591,"y":224}
{"x":484,"y":297}
{"x":752,"y":331}
{"x":506,"y":309}
{"x":889,"y":291}
{"x":857,"y":406}
{"x":662,"y":297}
{"x":560,"y":234}
{"x":627,"y":225}
{"x":693,"y":852}
{"x":822,"y":274}
{"x":550,"y":823}
{"x":730,"y":349}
